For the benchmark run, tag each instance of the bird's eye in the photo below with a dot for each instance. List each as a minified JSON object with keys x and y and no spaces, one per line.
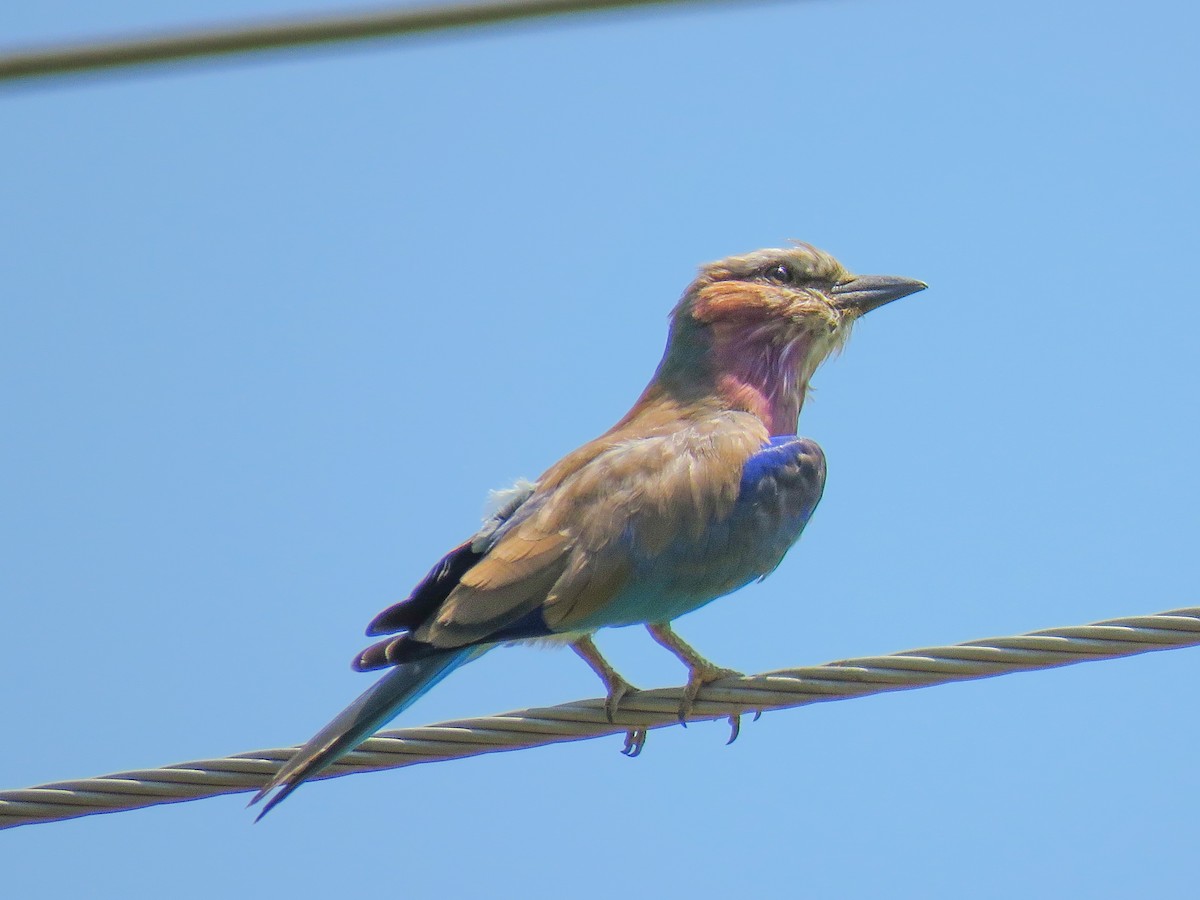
{"x":782,"y":273}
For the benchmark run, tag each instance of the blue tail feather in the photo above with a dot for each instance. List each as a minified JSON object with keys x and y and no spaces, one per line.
{"x":388,"y":697}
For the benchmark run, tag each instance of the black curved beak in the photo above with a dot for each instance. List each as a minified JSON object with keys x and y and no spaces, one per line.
{"x":864,"y":293}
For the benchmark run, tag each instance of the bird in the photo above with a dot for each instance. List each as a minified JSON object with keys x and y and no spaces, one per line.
{"x":698,"y":490}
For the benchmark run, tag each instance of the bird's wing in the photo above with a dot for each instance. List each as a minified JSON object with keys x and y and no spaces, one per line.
{"x":562,"y":559}
{"x":436,"y":586}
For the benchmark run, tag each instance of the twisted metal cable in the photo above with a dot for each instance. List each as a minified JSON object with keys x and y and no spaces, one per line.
{"x":727,"y":698}
{"x":327,"y":29}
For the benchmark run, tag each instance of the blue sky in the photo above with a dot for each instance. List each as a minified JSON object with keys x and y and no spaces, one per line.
{"x":271,"y":329}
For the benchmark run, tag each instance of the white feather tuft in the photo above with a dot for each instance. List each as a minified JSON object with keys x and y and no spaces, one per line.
{"x":500,"y":501}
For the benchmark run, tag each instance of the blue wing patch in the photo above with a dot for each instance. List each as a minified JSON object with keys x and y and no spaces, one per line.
{"x":789,"y":457}
{"x":781,"y":486}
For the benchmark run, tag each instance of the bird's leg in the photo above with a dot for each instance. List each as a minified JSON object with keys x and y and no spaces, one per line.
{"x":616,"y":686}
{"x":700,"y":670}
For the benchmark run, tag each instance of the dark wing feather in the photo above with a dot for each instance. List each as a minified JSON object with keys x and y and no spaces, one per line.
{"x":431,"y":592}
{"x":427,"y":596}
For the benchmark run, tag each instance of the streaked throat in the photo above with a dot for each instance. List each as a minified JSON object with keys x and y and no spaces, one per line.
{"x":767,"y":374}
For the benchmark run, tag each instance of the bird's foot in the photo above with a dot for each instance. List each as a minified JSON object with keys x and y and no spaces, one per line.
{"x":618,"y":690}
{"x":700,"y":670}
{"x":616,"y":687}
{"x":635,"y":740}
{"x":701,"y":674}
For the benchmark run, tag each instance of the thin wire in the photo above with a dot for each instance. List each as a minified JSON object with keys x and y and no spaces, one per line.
{"x":327,"y":29}
{"x":729,"y":697}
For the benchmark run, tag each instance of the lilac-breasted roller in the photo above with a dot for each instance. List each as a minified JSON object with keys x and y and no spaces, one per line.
{"x":701,"y":488}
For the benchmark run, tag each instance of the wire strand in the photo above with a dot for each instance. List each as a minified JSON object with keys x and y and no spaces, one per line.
{"x":583,"y":719}
{"x":298,"y":32}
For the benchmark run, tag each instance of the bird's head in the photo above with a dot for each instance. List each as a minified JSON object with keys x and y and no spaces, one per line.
{"x":759,"y":325}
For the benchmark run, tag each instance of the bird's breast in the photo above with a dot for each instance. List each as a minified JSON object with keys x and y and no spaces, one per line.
{"x":710,"y":526}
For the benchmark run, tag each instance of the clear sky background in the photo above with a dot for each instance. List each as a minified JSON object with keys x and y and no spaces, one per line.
{"x":270,"y":330}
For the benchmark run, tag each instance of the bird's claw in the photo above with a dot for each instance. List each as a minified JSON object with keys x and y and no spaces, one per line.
{"x":735,"y":728}
{"x":635,"y":740}
{"x":700,"y":676}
